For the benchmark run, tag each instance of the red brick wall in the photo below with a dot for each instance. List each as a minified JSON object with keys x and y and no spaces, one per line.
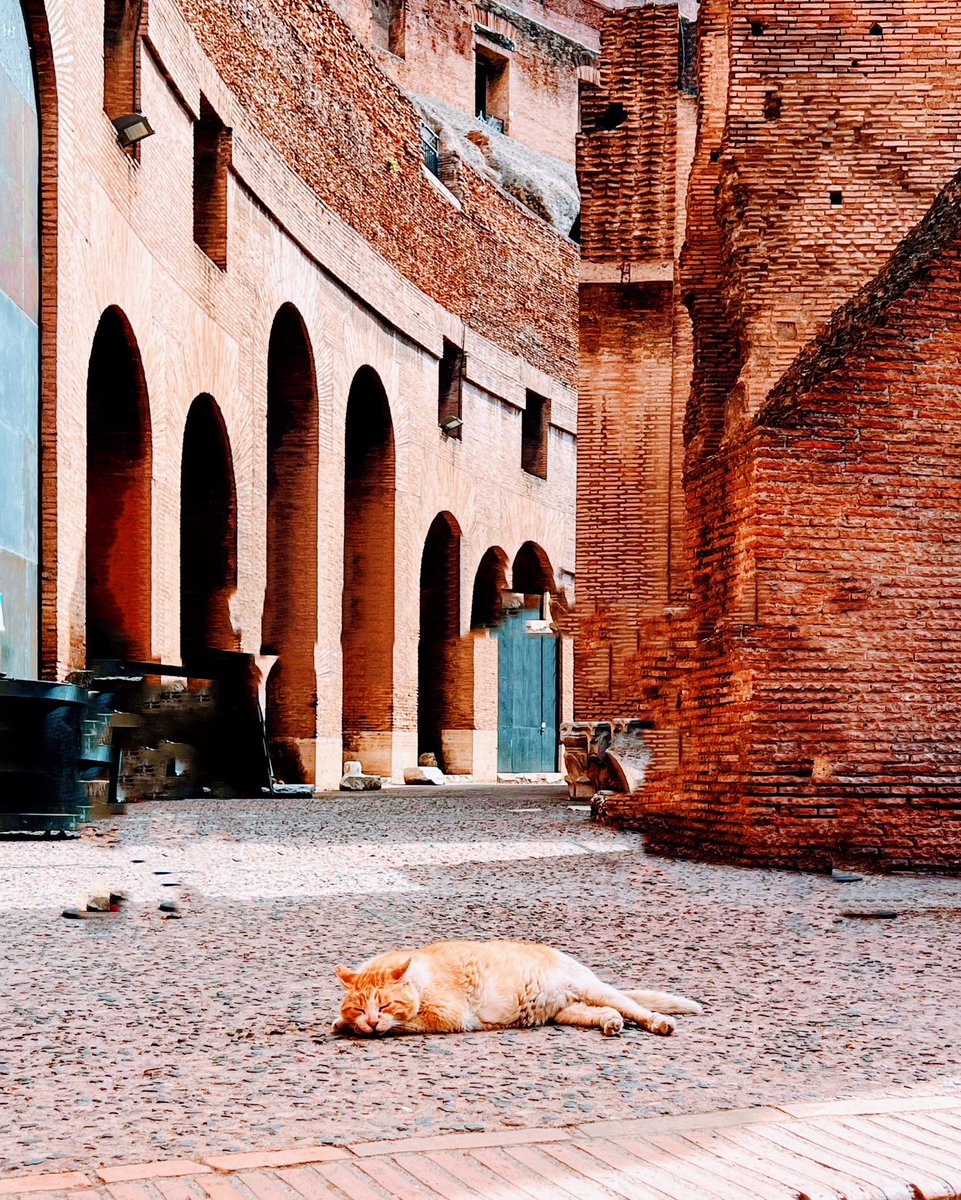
{"x":877,"y":118}
{"x":547,"y":45}
{"x":318,"y":95}
{"x":627,"y":172}
{"x":804,"y":702}
{"x":826,"y":728}
{"x":635,"y":361}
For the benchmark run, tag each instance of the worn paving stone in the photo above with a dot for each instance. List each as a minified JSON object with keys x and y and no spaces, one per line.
{"x":136,"y":1039}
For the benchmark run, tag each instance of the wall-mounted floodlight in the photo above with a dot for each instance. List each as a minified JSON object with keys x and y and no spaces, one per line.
{"x":132,"y":128}
{"x":450,"y":425}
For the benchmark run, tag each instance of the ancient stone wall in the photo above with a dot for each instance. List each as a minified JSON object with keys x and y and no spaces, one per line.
{"x":823,"y":726}
{"x":334,"y":226}
{"x":634,"y":152}
{"x":801,"y":698}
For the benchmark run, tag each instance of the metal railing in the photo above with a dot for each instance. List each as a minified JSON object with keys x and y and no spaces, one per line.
{"x":430,"y":140}
{"x":494,"y":122}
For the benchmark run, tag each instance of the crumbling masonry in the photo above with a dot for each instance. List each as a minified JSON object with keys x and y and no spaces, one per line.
{"x":769,"y":489}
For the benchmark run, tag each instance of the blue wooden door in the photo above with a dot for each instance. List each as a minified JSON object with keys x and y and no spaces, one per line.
{"x":527,"y":696}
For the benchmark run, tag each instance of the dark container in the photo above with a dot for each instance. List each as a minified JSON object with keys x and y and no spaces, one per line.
{"x":41,"y":753}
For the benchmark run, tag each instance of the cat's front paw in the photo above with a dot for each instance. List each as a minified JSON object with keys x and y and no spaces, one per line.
{"x":613,"y":1025}
{"x":663,"y":1025}
{"x":339,"y":1026}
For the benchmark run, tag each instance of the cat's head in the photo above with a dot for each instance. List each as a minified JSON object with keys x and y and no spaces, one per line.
{"x":377,"y":1001}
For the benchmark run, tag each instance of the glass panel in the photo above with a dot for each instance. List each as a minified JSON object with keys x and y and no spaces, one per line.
{"x":19,"y":347}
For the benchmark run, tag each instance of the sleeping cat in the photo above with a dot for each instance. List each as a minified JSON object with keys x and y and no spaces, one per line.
{"x":454,"y":987}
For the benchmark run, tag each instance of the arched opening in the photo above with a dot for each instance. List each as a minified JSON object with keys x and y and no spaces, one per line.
{"x":19,"y":344}
{"x":290,"y":603}
{"x":532,"y":576}
{"x":208,"y":533}
{"x":367,"y":635}
{"x":490,"y":583}
{"x":528,"y":670}
{"x":440,"y":696}
{"x":119,"y":464}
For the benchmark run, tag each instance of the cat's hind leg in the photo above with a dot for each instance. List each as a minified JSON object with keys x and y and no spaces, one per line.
{"x":597,"y":992}
{"x":591,"y":1016}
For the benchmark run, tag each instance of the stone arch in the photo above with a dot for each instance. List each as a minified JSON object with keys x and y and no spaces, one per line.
{"x":444,"y":696}
{"x":289,"y":627}
{"x":208,"y":533}
{"x":119,"y":467}
{"x":367,"y":632}
{"x":490,"y":582}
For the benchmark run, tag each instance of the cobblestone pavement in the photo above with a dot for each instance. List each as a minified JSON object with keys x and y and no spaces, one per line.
{"x":133,"y":1037}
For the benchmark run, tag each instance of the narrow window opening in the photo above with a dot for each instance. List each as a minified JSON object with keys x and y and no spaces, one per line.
{"x":715,"y":156}
{"x":491,"y":88}
{"x":836,"y":198}
{"x":535,"y":423}
{"x":450,"y":390}
{"x":212,"y":156}
{"x":876,"y":30}
{"x":389,"y":25}
{"x":122,"y":26}
{"x":772,"y":106}
{"x":687,"y":57}
{"x":757,"y":29}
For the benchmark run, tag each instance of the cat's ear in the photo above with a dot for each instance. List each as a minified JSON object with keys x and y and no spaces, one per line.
{"x":346,"y":976}
{"x":398,"y":973}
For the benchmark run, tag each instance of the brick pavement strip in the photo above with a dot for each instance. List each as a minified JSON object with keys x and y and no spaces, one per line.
{"x":879,"y":1148}
{"x":151,"y":1170}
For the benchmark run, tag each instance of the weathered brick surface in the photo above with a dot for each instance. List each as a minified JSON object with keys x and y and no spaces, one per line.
{"x":635,"y":357}
{"x":544,"y":44}
{"x":350,"y":133}
{"x":804,"y":698}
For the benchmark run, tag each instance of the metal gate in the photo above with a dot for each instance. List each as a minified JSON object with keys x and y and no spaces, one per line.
{"x":527,"y":695}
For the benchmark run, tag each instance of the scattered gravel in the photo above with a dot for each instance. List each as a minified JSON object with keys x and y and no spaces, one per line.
{"x":138,"y":1037}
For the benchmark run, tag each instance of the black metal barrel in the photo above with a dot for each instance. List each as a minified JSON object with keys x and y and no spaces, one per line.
{"x":41,"y":746}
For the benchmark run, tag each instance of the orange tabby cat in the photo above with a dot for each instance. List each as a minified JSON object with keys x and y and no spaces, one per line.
{"x":453,"y":987}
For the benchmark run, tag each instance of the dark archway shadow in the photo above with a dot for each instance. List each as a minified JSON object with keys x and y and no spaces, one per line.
{"x":289,"y":627}
{"x":444,"y":695}
{"x":490,"y":584}
{"x":208,"y":533}
{"x":367,"y":632}
{"x":119,"y":467}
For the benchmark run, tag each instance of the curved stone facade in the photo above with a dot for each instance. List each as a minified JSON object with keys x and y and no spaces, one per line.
{"x":285,"y":176}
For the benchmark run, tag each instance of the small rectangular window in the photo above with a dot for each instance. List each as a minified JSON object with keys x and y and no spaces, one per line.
{"x":212,"y":157}
{"x":535,"y":424}
{"x":450,"y":390}
{"x":491,"y":88}
{"x":389,"y":24}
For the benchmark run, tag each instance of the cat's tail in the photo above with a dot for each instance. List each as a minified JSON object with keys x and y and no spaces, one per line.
{"x":665,"y":1002}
